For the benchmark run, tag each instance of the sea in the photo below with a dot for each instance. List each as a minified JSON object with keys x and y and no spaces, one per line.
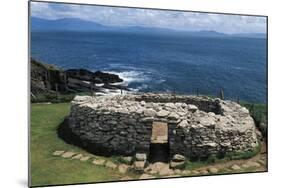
{"x":169,"y":62}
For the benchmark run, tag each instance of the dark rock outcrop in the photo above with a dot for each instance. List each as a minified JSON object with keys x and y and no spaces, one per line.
{"x":47,"y":78}
{"x":96,"y":77}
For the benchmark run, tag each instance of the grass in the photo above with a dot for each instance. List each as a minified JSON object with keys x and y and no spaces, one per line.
{"x":259,"y":113}
{"x":212,"y":159}
{"x":49,"y":170}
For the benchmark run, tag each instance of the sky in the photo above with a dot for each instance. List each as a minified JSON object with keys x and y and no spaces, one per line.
{"x":177,"y":20}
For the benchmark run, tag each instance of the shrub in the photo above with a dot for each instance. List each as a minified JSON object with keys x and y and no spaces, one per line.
{"x":243,"y":155}
{"x":211,"y":159}
{"x":259,"y":114}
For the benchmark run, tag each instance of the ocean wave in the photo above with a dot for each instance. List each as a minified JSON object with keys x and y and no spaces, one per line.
{"x":131,"y":76}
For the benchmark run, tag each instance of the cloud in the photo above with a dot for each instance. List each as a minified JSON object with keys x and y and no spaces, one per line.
{"x":179,"y":20}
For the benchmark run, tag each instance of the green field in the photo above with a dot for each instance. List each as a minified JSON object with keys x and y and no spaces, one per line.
{"x":47,"y":169}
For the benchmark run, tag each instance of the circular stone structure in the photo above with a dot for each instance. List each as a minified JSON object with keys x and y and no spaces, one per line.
{"x":191,"y":126}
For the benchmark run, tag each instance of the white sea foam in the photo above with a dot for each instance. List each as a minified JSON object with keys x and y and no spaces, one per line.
{"x":99,"y":85}
{"x":131,"y":76}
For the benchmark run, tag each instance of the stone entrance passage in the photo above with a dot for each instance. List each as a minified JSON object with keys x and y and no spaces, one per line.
{"x":159,"y":147}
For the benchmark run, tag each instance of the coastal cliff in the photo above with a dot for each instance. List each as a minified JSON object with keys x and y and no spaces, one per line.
{"x":49,"y":79}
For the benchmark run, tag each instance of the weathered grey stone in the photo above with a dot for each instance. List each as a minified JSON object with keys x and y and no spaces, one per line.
{"x":146,"y":176}
{"x":177,"y":164}
{"x":262,"y":162}
{"x":122,"y":124}
{"x":204,"y":172}
{"x":78,"y":156}
{"x":186,"y":172}
{"x":139,"y":165}
{"x":166,"y":172}
{"x":127,"y":159}
{"x":142,"y":103}
{"x":170,"y":105}
{"x":123,"y":168}
{"x":177,"y":171}
{"x":178,"y":158}
{"x":213,"y":170}
{"x":173,"y":115}
{"x":149,"y":112}
{"x":207,"y":121}
{"x":158,"y":166}
{"x":58,"y":153}
{"x":146,"y":119}
{"x":183,"y":124}
{"x":195,"y":172}
{"x":110,"y":164}
{"x":253,"y":164}
{"x":192,"y":107}
{"x":98,"y":161}
{"x":212,"y":114}
{"x":85,"y":158}
{"x":225,"y":144}
{"x":211,"y":144}
{"x":245,"y":166}
{"x":140,"y":156}
{"x":68,"y":154}
{"x":235,"y":167}
{"x":125,"y":178}
{"x":162,"y":113}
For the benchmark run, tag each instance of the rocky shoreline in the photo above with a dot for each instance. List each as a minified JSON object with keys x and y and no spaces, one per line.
{"x":48,"y":79}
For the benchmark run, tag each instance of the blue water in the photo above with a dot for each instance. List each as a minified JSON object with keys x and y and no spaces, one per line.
{"x":149,"y":62}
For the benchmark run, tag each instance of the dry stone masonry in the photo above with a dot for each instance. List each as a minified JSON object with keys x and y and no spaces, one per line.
{"x":197,"y":126}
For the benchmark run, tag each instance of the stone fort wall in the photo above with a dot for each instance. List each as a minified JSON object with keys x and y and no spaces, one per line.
{"x":197,"y":126}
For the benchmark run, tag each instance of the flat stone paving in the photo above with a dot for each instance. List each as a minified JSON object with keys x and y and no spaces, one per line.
{"x":68,"y":154}
{"x":163,"y":169}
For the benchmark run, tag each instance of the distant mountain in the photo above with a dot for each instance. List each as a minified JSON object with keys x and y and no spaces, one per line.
{"x":205,"y":33}
{"x":250,"y":35}
{"x":76,"y":24}
{"x":68,"y":24}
